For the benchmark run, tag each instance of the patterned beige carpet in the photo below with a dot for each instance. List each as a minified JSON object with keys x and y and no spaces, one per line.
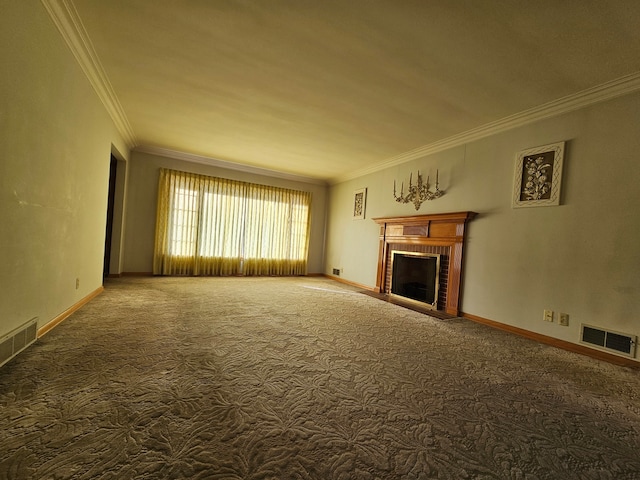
{"x":303,"y":378}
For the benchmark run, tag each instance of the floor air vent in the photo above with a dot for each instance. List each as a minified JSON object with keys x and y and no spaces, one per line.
{"x":17,"y":340}
{"x":611,"y":341}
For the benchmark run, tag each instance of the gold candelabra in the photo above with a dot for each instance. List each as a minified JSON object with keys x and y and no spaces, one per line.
{"x":419,"y":192}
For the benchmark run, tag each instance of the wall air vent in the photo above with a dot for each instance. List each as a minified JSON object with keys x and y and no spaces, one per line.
{"x":17,"y":340}
{"x":608,"y":340}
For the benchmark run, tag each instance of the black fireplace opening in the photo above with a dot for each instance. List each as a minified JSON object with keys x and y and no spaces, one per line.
{"x":415,"y":276}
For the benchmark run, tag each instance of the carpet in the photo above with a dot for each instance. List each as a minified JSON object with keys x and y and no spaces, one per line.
{"x":303,"y":378}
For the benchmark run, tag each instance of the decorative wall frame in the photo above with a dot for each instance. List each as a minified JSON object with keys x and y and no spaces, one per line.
{"x":538,"y":176}
{"x":359,"y":203}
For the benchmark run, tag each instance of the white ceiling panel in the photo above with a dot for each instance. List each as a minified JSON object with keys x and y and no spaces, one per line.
{"x":326,"y":88}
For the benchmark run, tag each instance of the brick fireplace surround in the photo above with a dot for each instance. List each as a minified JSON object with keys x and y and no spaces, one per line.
{"x":442,"y":233}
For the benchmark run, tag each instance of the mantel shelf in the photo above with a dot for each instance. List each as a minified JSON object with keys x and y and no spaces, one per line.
{"x":455,"y":217}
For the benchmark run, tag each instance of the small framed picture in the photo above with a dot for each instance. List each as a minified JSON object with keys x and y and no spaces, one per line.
{"x":359,"y":203}
{"x":538,"y":176}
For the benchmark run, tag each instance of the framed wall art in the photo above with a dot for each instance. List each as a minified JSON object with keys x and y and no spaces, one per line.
{"x":538,"y":176}
{"x":359,"y":203}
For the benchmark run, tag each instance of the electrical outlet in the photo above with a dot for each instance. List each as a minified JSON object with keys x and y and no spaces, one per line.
{"x":563,"y":319}
{"x":336,"y":271}
{"x":77,"y":283}
{"x":548,"y":316}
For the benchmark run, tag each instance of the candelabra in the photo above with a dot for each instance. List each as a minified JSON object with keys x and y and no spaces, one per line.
{"x":417,"y":193}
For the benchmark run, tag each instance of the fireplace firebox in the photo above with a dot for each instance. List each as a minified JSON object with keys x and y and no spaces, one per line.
{"x":415,"y":276}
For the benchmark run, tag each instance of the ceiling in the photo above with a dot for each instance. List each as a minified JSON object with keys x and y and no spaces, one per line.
{"x":330,"y":89}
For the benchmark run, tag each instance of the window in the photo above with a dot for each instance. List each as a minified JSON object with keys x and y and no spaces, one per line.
{"x":213,"y":226}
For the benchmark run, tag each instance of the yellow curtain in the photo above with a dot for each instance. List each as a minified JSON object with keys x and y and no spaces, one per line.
{"x":214,"y":226}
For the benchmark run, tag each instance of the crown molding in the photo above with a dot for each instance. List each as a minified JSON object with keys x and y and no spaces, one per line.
{"x":606,"y":91}
{"x":214,"y":162}
{"x":66,"y":18}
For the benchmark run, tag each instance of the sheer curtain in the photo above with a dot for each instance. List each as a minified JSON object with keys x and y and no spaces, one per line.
{"x":213,"y":226}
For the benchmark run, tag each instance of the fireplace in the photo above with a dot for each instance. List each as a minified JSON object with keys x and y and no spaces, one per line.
{"x":415,"y":277}
{"x":441,"y":236}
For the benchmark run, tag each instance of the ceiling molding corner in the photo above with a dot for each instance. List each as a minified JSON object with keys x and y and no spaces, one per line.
{"x":214,"y":162}
{"x":600,"y":93}
{"x":66,"y":18}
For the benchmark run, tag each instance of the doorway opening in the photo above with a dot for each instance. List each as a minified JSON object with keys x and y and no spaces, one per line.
{"x":113,"y":167}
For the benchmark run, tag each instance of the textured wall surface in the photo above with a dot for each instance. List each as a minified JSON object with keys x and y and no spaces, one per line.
{"x":142,"y":194}
{"x":56,"y":141}
{"x":580,"y":257}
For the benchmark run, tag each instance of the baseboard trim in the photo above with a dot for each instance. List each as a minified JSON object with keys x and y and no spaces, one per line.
{"x":137,"y":274}
{"x":114,"y":275}
{"x":57,"y":320}
{"x":348,"y":282}
{"x":554,"y":342}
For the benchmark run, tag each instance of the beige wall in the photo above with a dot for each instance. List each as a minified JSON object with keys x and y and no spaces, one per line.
{"x":56,"y":141}
{"x":142,"y":194}
{"x":582,"y":257}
